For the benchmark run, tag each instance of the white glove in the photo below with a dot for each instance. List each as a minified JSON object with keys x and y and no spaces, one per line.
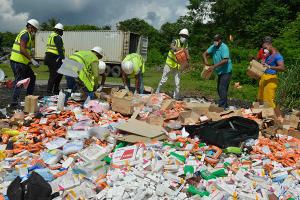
{"x":100,"y":89}
{"x":135,"y":92}
{"x":126,"y":88}
{"x":34,"y":62}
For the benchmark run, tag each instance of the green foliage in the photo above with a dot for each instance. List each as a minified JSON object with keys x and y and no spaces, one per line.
{"x":7,"y":39}
{"x":288,"y":93}
{"x":155,"y":58}
{"x":288,"y":42}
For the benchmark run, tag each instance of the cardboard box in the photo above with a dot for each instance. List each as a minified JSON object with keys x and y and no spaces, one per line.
{"x":124,"y":154}
{"x":31,"y":104}
{"x":215,"y":108}
{"x":122,"y":105}
{"x":255,"y":69}
{"x":137,"y":131}
{"x":122,"y":102}
{"x":167,"y":104}
{"x":268,"y":112}
{"x":189,"y":117}
{"x":155,"y":120}
{"x":206,"y":74}
{"x":200,"y":108}
{"x":214,"y":116}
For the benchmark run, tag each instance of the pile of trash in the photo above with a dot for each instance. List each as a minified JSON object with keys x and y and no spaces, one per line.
{"x":144,"y":147}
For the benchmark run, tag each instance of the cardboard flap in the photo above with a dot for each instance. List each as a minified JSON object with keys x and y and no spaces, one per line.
{"x":140,"y":128}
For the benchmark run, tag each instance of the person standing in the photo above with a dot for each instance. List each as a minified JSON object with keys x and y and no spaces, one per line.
{"x":222,"y":65}
{"x":55,"y":53}
{"x":172,"y":64}
{"x":133,"y":66}
{"x":268,"y":81}
{"x":21,"y":57}
{"x":89,"y":75}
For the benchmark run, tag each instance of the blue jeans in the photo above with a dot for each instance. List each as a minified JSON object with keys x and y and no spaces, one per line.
{"x":141,"y":81}
{"x":223,"y":85}
{"x":72,"y":84}
{"x":22,"y":71}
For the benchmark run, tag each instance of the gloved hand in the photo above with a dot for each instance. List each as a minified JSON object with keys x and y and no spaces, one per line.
{"x":126,"y":88}
{"x":100,"y":89}
{"x":34,"y":62}
{"x":135,"y":92}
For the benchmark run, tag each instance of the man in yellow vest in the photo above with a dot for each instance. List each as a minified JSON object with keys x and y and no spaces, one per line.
{"x":89,"y":75}
{"x":133,"y":66}
{"x":21,"y":57}
{"x":55,"y":53}
{"x":172,"y":64}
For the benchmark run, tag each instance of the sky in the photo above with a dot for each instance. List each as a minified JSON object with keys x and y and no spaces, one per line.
{"x":15,"y":13}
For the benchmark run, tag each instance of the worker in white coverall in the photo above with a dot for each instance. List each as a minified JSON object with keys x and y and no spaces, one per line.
{"x":172,"y":64}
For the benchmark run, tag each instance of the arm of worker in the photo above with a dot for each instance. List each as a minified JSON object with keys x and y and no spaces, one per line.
{"x":125,"y":80}
{"x":221,"y":63}
{"x":59,"y":45}
{"x":205,"y":55}
{"x":280,"y":66}
{"x":23,"y":43}
{"x":173,"y":46}
{"x":103,"y":79}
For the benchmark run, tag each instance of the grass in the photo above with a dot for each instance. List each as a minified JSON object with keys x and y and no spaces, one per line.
{"x":191,"y":83}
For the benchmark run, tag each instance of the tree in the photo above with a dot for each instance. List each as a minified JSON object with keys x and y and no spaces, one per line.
{"x":49,"y":25}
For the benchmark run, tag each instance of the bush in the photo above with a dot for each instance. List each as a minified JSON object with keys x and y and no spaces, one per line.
{"x":239,"y":73}
{"x":288,"y":93}
{"x":154,"y":58}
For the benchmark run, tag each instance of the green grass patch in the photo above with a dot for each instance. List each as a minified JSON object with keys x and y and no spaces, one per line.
{"x":191,"y":83}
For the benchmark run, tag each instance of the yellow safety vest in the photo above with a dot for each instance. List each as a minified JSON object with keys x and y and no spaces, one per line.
{"x":16,"y":49}
{"x":171,"y":59}
{"x":51,"y":47}
{"x":138,"y":63}
{"x":87,"y":58}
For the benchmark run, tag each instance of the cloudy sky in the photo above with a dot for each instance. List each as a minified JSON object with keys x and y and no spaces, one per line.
{"x":14,"y":13}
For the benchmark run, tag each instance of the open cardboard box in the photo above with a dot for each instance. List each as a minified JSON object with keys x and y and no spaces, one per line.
{"x":138,"y":131}
{"x":122,"y":102}
{"x":189,"y":117}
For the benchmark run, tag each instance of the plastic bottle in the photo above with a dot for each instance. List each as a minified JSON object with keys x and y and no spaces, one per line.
{"x":107,"y":159}
{"x":193,"y":190}
{"x":120,"y":145}
{"x":188,"y":171}
{"x":219,"y":173}
{"x":206,"y":175}
{"x":178,"y":157}
{"x":234,"y":150}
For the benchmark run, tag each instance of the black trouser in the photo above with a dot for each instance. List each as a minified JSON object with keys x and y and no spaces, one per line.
{"x":223,"y":85}
{"x":53,"y":62}
{"x":22,"y":71}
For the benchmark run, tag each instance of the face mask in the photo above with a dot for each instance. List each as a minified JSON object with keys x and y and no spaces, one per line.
{"x":182,"y":39}
{"x":266,"y":51}
{"x":216,"y":43}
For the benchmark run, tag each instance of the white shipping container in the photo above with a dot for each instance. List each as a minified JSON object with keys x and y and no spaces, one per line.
{"x":116,"y":44}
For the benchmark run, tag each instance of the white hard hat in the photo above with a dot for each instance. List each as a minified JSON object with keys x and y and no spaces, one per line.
{"x":98,"y":50}
{"x":184,"y":32}
{"x":127,"y":67}
{"x":102,"y":67}
{"x":59,"y":26}
{"x":34,"y":23}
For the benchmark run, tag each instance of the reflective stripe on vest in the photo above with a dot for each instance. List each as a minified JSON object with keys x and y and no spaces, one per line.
{"x":16,"y":49}
{"x":51,"y":47}
{"x":171,"y":58}
{"x":87,"y":58}
{"x":138,"y":63}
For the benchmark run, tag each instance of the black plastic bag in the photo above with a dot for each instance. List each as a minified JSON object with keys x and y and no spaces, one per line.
{"x":226,"y":132}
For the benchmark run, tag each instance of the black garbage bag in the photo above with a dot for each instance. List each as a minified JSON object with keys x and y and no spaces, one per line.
{"x":226,"y":132}
{"x":34,"y":188}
